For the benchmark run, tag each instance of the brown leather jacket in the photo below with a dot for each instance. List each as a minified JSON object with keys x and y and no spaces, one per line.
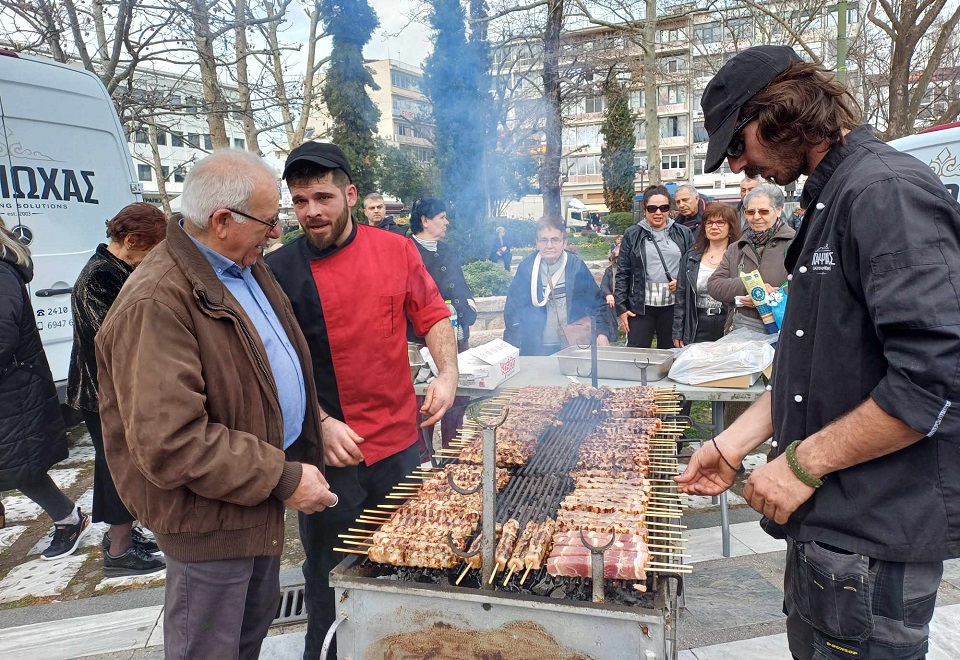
{"x":192,"y":427}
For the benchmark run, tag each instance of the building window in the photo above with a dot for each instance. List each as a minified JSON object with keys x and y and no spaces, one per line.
{"x":698,"y":166}
{"x":699,"y":132}
{"x":176,"y":138}
{"x":424,"y":155}
{"x":594,"y":104}
{"x":640,"y":162}
{"x":410,"y":109}
{"x":239,"y":143}
{"x":636,"y":99}
{"x":174,"y":101}
{"x":193,"y":140}
{"x":140,"y":136}
{"x":207,"y":141}
{"x":179,"y":174}
{"x":673,"y":126}
{"x":161,"y":138}
{"x":404,"y":81}
{"x":191,"y":106}
{"x":673,"y":161}
{"x":144,"y":173}
{"x":165,"y":172}
{"x":671,"y":94}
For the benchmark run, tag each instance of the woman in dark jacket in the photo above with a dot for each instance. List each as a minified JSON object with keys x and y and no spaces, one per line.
{"x":32,"y":434}
{"x":697,"y":317}
{"x":647,"y":272}
{"x":607,"y":283}
{"x":428,"y":224}
{"x":135,"y":230}
{"x":763,"y":248}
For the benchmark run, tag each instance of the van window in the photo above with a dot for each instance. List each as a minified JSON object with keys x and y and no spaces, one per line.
{"x":144,"y":173}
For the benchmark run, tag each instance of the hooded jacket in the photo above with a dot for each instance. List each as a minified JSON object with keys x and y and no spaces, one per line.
{"x":192,"y":426}
{"x":32,"y":435}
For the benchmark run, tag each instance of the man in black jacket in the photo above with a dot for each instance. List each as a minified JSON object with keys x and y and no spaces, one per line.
{"x":865,"y":375}
{"x":375,"y":211}
{"x":690,"y":207}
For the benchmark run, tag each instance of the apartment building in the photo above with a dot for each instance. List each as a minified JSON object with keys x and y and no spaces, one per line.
{"x":169,"y":132}
{"x":691,"y":45}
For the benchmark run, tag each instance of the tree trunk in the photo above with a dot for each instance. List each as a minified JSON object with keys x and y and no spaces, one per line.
{"x":650,"y":92}
{"x":549,"y":174}
{"x":243,"y":78}
{"x":276,"y":70}
{"x":158,"y":168}
{"x":215,"y":107}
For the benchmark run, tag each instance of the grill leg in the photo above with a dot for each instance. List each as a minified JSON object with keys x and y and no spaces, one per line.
{"x":718,"y":409}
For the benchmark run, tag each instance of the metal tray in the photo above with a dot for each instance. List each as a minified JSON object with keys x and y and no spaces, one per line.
{"x":616,"y":362}
{"x":415,"y":359}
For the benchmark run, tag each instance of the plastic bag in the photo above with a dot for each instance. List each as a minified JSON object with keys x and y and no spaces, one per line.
{"x":741,"y":352}
{"x":777,"y":302}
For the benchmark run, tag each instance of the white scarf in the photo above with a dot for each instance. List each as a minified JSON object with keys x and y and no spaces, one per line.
{"x":555,"y":280}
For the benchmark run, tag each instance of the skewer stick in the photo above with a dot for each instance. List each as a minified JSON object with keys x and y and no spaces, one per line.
{"x":355,"y":536}
{"x":654,"y":523}
{"x":507,"y":579}
{"x":362,"y":545}
{"x":351,"y":551}
{"x":362,"y":531}
{"x":466,"y":569}
{"x":670,"y":555}
{"x":524,"y":578}
{"x":493,"y":575}
{"x":667,"y":547}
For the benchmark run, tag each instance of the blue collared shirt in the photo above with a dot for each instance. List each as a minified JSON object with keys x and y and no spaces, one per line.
{"x":282,"y":356}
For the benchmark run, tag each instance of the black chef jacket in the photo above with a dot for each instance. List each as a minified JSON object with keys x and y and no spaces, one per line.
{"x":874,"y":311}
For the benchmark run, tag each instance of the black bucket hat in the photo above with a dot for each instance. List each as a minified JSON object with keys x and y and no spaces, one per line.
{"x":737,"y":82}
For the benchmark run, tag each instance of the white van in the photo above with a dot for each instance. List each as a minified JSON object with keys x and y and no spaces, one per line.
{"x":938,"y":147}
{"x":64,"y":171}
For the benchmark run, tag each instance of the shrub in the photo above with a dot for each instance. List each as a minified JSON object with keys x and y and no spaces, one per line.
{"x":619,"y":222}
{"x":486,"y":278}
{"x":291,"y":235}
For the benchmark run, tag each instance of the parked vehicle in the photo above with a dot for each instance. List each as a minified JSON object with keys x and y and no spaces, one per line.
{"x":938,"y":147}
{"x":64,"y":170}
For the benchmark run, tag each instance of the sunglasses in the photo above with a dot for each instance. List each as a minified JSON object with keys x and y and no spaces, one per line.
{"x":663,"y":208}
{"x":737,"y":145}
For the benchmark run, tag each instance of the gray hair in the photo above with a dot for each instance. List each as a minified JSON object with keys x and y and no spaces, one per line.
{"x":372,"y":197}
{"x":768,"y":191}
{"x":227,"y":178}
{"x":10,"y":243}
{"x":747,"y":177}
{"x":689,"y":188}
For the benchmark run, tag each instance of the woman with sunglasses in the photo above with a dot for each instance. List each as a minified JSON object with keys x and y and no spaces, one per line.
{"x":762,"y":248}
{"x":646,"y":279}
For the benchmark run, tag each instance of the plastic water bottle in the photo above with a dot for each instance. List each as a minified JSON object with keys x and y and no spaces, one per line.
{"x":453,"y":320}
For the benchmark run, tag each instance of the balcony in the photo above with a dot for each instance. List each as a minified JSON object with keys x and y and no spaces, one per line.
{"x":678,"y":141}
{"x":409,"y":140}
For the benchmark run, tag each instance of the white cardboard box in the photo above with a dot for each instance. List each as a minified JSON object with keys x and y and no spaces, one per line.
{"x":485,"y":367}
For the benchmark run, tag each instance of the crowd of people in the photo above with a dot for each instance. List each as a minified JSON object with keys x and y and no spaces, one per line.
{"x":221,"y":387}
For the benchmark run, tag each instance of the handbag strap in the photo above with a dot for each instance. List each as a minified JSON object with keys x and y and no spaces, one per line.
{"x":663,"y":261}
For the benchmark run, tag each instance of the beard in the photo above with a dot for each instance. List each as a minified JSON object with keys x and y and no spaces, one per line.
{"x":337,"y":228}
{"x":783,"y":168}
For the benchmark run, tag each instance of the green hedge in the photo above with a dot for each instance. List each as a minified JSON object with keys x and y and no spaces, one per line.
{"x":290,"y":236}
{"x":486,"y":278}
{"x":619,"y":222}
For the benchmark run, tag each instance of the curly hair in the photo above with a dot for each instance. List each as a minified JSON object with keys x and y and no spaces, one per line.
{"x":803,"y":107}
{"x":144,"y":223}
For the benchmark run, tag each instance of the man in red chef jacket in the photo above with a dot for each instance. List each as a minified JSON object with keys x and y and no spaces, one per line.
{"x":352,"y":288}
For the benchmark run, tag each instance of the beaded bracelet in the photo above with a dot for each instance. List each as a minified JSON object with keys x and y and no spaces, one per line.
{"x":798,"y":470}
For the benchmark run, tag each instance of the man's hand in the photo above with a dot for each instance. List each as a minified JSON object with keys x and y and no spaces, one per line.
{"x":610,"y":301}
{"x":439,"y":398}
{"x":340,"y":444}
{"x":678,"y":343}
{"x":673,"y":285}
{"x":624,"y":325}
{"x":775,"y":491}
{"x":313,"y":492}
{"x":602,"y":340}
{"x":706,"y":473}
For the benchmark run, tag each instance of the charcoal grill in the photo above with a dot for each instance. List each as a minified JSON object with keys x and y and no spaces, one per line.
{"x":401,"y":612}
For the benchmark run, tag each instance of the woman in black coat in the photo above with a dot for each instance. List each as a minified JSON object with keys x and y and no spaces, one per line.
{"x":428,"y":224}
{"x":32,"y":434}
{"x":133,"y":232}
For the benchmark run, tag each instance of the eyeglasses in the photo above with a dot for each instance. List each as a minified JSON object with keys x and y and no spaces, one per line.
{"x":737,"y":145}
{"x":272,"y":225}
{"x":714,"y":223}
{"x":555,"y":240}
{"x":663,"y":208}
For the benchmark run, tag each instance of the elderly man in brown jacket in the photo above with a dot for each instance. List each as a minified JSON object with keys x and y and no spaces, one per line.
{"x":210,"y":418}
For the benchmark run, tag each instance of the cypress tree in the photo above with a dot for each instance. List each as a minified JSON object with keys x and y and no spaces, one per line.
{"x":453,"y":78}
{"x":616,"y":154}
{"x":354,"y":116}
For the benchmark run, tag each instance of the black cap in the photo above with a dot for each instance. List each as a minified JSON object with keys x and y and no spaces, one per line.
{"x":323,"y":154}
{"x":737,"y":82}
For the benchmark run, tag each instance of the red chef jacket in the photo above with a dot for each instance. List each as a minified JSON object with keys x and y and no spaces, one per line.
{"x":368,"y":287}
